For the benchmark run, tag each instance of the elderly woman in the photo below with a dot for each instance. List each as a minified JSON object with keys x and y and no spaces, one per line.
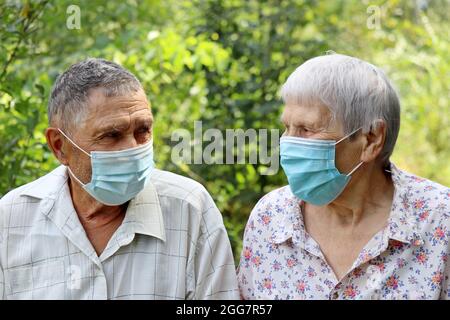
{"x":350,"y":225}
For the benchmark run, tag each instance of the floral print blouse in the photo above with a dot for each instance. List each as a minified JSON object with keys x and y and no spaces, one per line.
{"x":408,"y":259}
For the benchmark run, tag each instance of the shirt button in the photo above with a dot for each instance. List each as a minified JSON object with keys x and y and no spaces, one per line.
{"x":335,"y":295}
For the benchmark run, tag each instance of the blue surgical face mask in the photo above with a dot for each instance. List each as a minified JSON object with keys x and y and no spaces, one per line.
{"x":117,"y":176}
{"x":309,"y":165}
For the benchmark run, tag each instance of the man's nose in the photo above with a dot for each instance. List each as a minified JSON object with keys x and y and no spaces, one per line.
{"x":128,"y":142}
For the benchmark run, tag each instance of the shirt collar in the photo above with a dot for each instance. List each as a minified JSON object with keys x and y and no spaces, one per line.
{"x":401,"y":226}
{"x":144,"y":214}
{"x":402,"y":222}
{"x":48,"y":186}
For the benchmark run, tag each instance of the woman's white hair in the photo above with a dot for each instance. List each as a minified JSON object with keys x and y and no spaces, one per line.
{"x":357,"y":93}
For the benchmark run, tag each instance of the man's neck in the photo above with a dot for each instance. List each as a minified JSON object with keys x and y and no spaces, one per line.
{"x":93,"y":214}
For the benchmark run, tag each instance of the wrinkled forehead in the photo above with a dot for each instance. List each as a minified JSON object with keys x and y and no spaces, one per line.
{"x":119,"y":111}
{"x":310,"y":113}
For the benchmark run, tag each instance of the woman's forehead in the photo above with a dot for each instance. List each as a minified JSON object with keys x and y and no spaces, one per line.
{"x":316,"y":114}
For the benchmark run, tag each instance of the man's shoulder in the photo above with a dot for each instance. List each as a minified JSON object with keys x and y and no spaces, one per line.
{"x":178,"y":187}
{"x":39,"y":188}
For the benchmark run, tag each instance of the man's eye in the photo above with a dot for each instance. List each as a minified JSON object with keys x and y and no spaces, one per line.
{"x":111,"y":135}
{"x":144,"y":130}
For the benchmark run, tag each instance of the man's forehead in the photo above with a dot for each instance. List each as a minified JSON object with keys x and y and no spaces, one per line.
{"x":117,"y":111}
{"x":98,"y":99}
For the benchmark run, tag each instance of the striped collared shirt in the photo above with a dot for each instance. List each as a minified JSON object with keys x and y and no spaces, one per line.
{"x":172,"y":244}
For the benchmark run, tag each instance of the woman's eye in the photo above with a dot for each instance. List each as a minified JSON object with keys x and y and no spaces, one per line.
{"x":309,"y":130}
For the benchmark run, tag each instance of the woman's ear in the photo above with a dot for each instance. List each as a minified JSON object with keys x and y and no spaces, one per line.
{"x":375,"y":139}
{"x":56,"y":143}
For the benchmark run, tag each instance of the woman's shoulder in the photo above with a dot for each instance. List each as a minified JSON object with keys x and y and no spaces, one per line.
{"x":425,"y":202}
{"x":277,"y":209}
{"x":275,"y":196}
{"x":422,"y":191}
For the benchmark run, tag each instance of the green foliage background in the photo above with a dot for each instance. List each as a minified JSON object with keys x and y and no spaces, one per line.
{"x":222,"y":62}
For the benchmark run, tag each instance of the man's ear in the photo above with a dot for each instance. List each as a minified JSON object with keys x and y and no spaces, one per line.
{"x":57,"y":144}
{"x":375,"y":139}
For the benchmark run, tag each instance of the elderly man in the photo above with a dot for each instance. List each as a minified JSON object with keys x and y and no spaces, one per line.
{"x":350,"y":225}
{"x":105,"y":224}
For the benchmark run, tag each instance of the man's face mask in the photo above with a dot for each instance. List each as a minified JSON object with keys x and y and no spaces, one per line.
{"x":117,"y":176}
{"x":309,"y":165}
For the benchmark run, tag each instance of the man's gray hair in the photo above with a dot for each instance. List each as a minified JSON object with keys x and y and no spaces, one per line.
{"x":357,"y":93}
{"x":68,"y":99}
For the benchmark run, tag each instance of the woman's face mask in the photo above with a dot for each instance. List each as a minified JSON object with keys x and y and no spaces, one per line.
{"x":309,"y":165}
{"x":117,"y":176}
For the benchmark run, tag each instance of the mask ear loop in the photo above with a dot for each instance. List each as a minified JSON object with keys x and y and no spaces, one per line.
{"x":356,"y":168}
{"x":71,"y":141}
{"x":68,"y":168}
{"x":342,"y":139}
{"x":75,"y":177}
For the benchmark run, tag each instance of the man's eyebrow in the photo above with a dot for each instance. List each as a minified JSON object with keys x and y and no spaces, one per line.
{"x":112,"y":127}
{"x":122,"y":126}
{"x":144,"y":121}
